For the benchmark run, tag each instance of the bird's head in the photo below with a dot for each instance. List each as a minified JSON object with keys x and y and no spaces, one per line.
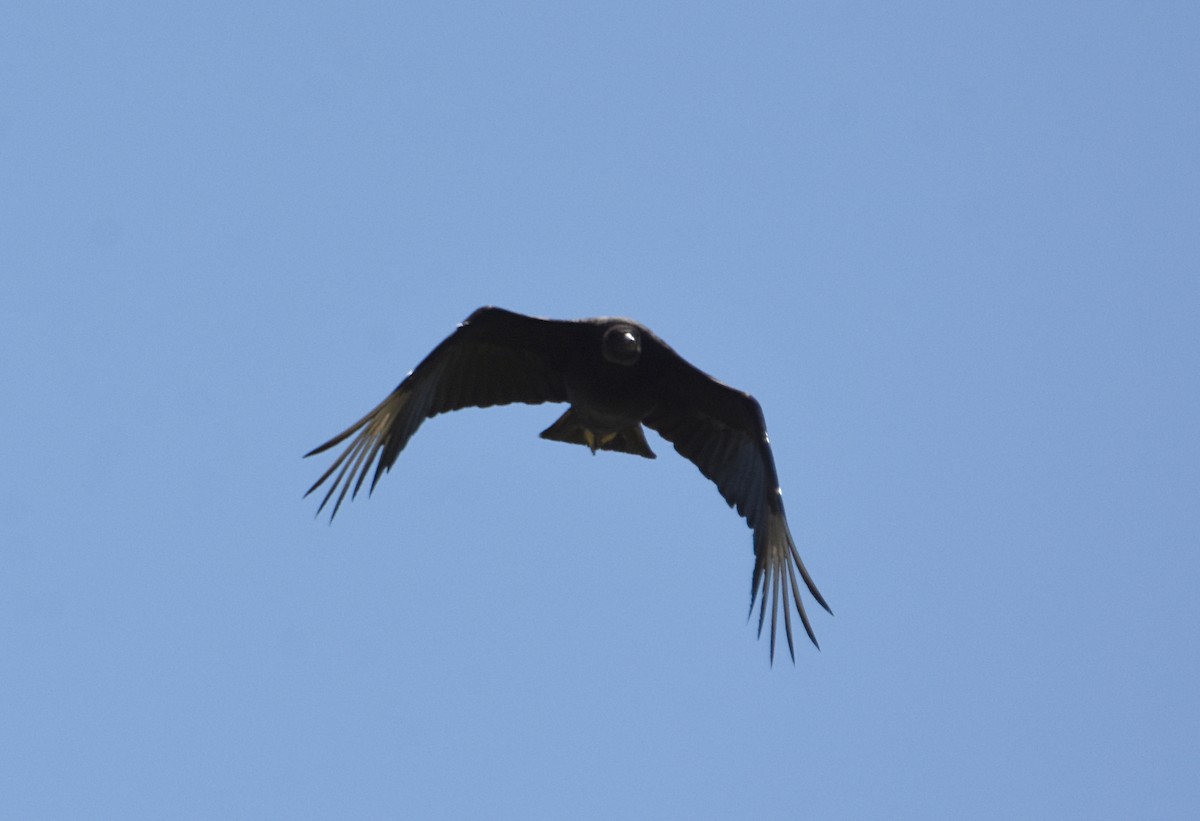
{"x":622,"y":344}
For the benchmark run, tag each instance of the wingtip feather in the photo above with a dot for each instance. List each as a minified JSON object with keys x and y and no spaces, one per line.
{"x":777,"y":563}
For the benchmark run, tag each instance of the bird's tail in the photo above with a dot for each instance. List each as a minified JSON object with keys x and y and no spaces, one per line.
{"x":570,"y":428}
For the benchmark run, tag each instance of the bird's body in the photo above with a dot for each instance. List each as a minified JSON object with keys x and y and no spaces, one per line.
{"x":616,"y":375}
{"x":606,"y":400}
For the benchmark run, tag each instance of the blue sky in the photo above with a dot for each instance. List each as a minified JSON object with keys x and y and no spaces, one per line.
{"x":952,"y":249}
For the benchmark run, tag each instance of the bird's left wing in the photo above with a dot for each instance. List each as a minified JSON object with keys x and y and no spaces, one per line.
{"x":722,"y":431}
{"x":494,"y":357}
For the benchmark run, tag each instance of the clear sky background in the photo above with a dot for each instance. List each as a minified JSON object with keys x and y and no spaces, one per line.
{"x":954,"y":250}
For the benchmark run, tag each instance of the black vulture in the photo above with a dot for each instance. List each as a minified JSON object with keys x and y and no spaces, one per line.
{"x":616,"y":375}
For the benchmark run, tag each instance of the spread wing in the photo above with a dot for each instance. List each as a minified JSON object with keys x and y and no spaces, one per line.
{"x":495,"y":357}
{"x":722,"y":431}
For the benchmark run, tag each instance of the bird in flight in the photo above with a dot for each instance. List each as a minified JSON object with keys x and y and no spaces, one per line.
{"x":616,"y":376}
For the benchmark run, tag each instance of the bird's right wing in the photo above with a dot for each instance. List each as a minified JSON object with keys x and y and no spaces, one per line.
{"x":495,"y":357}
